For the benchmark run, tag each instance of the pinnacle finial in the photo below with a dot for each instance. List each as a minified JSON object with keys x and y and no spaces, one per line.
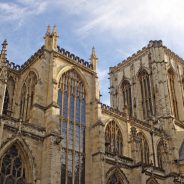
{"x":3,"y":51}
{"x":93,"y":53}
{"x":93,"y":58}
{"x":54,"y":32}
{"x":48,"y":30}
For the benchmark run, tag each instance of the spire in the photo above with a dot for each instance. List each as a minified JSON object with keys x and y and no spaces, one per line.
{"x":48,"y":30}
{"x":51,"y":38}
{"x":93,"y":58}
{"x":54,"y":32}
{"x":3,"y":51}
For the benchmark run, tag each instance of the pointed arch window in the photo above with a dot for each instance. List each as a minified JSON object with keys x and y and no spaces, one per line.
{"x":113,"y":138}
{"x":27,"y":96}
{"x":161,"y":155}
{"x":8,"y":99}
{"x":72,"y":103}
{"x":127,"y":98}
{"x":171,"y":78}
{"x":181,"y":152}
{"x":12,"y":170}
{"x":146,"y":94}
{"x":143,"y":148}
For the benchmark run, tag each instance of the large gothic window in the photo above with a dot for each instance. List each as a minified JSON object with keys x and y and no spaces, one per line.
{"x":12,"y":170}
{"x":146,"y":94}
{"x":27,"y":96}
{"x":181,"y":152}
{"x":72,"y":102}
{"x":8,"y":98}
{"x":113,"y":138}
{"x":171,"y":77}
{"x":161,"y":154}
{"x":143,"y":149}
{"x":127,"y":98}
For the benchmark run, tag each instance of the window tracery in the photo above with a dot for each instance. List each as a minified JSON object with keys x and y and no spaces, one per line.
{"x":72,"y":102}
{"x":113,"y":138}
{"x":12,"y":169}
{"x":146,"y":94}
{"x":27,"y":96}
{"x":171,"y":78}
{"x":127,"y":98}
{"x":143,"y":148}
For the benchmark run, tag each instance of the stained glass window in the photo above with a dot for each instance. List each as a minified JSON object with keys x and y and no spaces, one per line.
{"x":127,"y":97}
{"x":71,"y":99}
{"x":113,"y":138}
{"x":146,"y":94}
{"x":11,"y":167}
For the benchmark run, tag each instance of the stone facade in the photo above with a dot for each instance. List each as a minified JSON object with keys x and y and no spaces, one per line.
{"x":54,"y":129}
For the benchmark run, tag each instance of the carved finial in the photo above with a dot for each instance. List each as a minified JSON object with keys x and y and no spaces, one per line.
{"x":3,"y":51}
{"x":93,"y":58}
{"x":51,"y":39}
{"x":54,"y":32}
{"x":48,"y":30}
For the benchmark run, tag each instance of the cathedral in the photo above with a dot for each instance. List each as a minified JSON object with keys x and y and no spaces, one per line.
{"x":55,"y":130}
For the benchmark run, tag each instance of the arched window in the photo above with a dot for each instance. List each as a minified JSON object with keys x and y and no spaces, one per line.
{"x":12,"y":170}
{"x":146,"y":94}
{"x":171,"y":78}
{"x":127,"y":97}
{"x":8,"y":99}
{"x":113,"y":139}
{"x":27,"y":96}
{"x":161,"y":155}
{"x":181,"y":152}
{"x":143,"y":148}
{"x":72,"y":102}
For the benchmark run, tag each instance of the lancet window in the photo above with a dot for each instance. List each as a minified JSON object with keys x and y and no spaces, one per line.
{"x":172,"y":91}
{"x":143,"y":148}
{"x":146,"y":94}
{"x":127,"y":98}
{"x":113,"y":138}
{"x":181,"y":152}
{"x":12,"y":170}
{"x":8,"y":98}
{"x":72,"y":102}
{"x":27,"y":96}
{"x":161,"y":154}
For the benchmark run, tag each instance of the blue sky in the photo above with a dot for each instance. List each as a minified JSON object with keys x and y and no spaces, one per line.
{"x":116,"y":28}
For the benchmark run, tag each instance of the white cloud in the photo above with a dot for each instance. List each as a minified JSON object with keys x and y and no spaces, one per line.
{"x":19,"y":10}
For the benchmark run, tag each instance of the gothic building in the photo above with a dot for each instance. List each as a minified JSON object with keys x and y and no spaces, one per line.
{"x":55,"y":130}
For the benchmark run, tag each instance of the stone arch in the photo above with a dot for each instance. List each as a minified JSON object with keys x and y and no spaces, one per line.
{"x":151,"y":180}
{"x":143,"y":69}
{"x":25,"y":155}
{"x":65,"y":69}
{"x":115,"y":173}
